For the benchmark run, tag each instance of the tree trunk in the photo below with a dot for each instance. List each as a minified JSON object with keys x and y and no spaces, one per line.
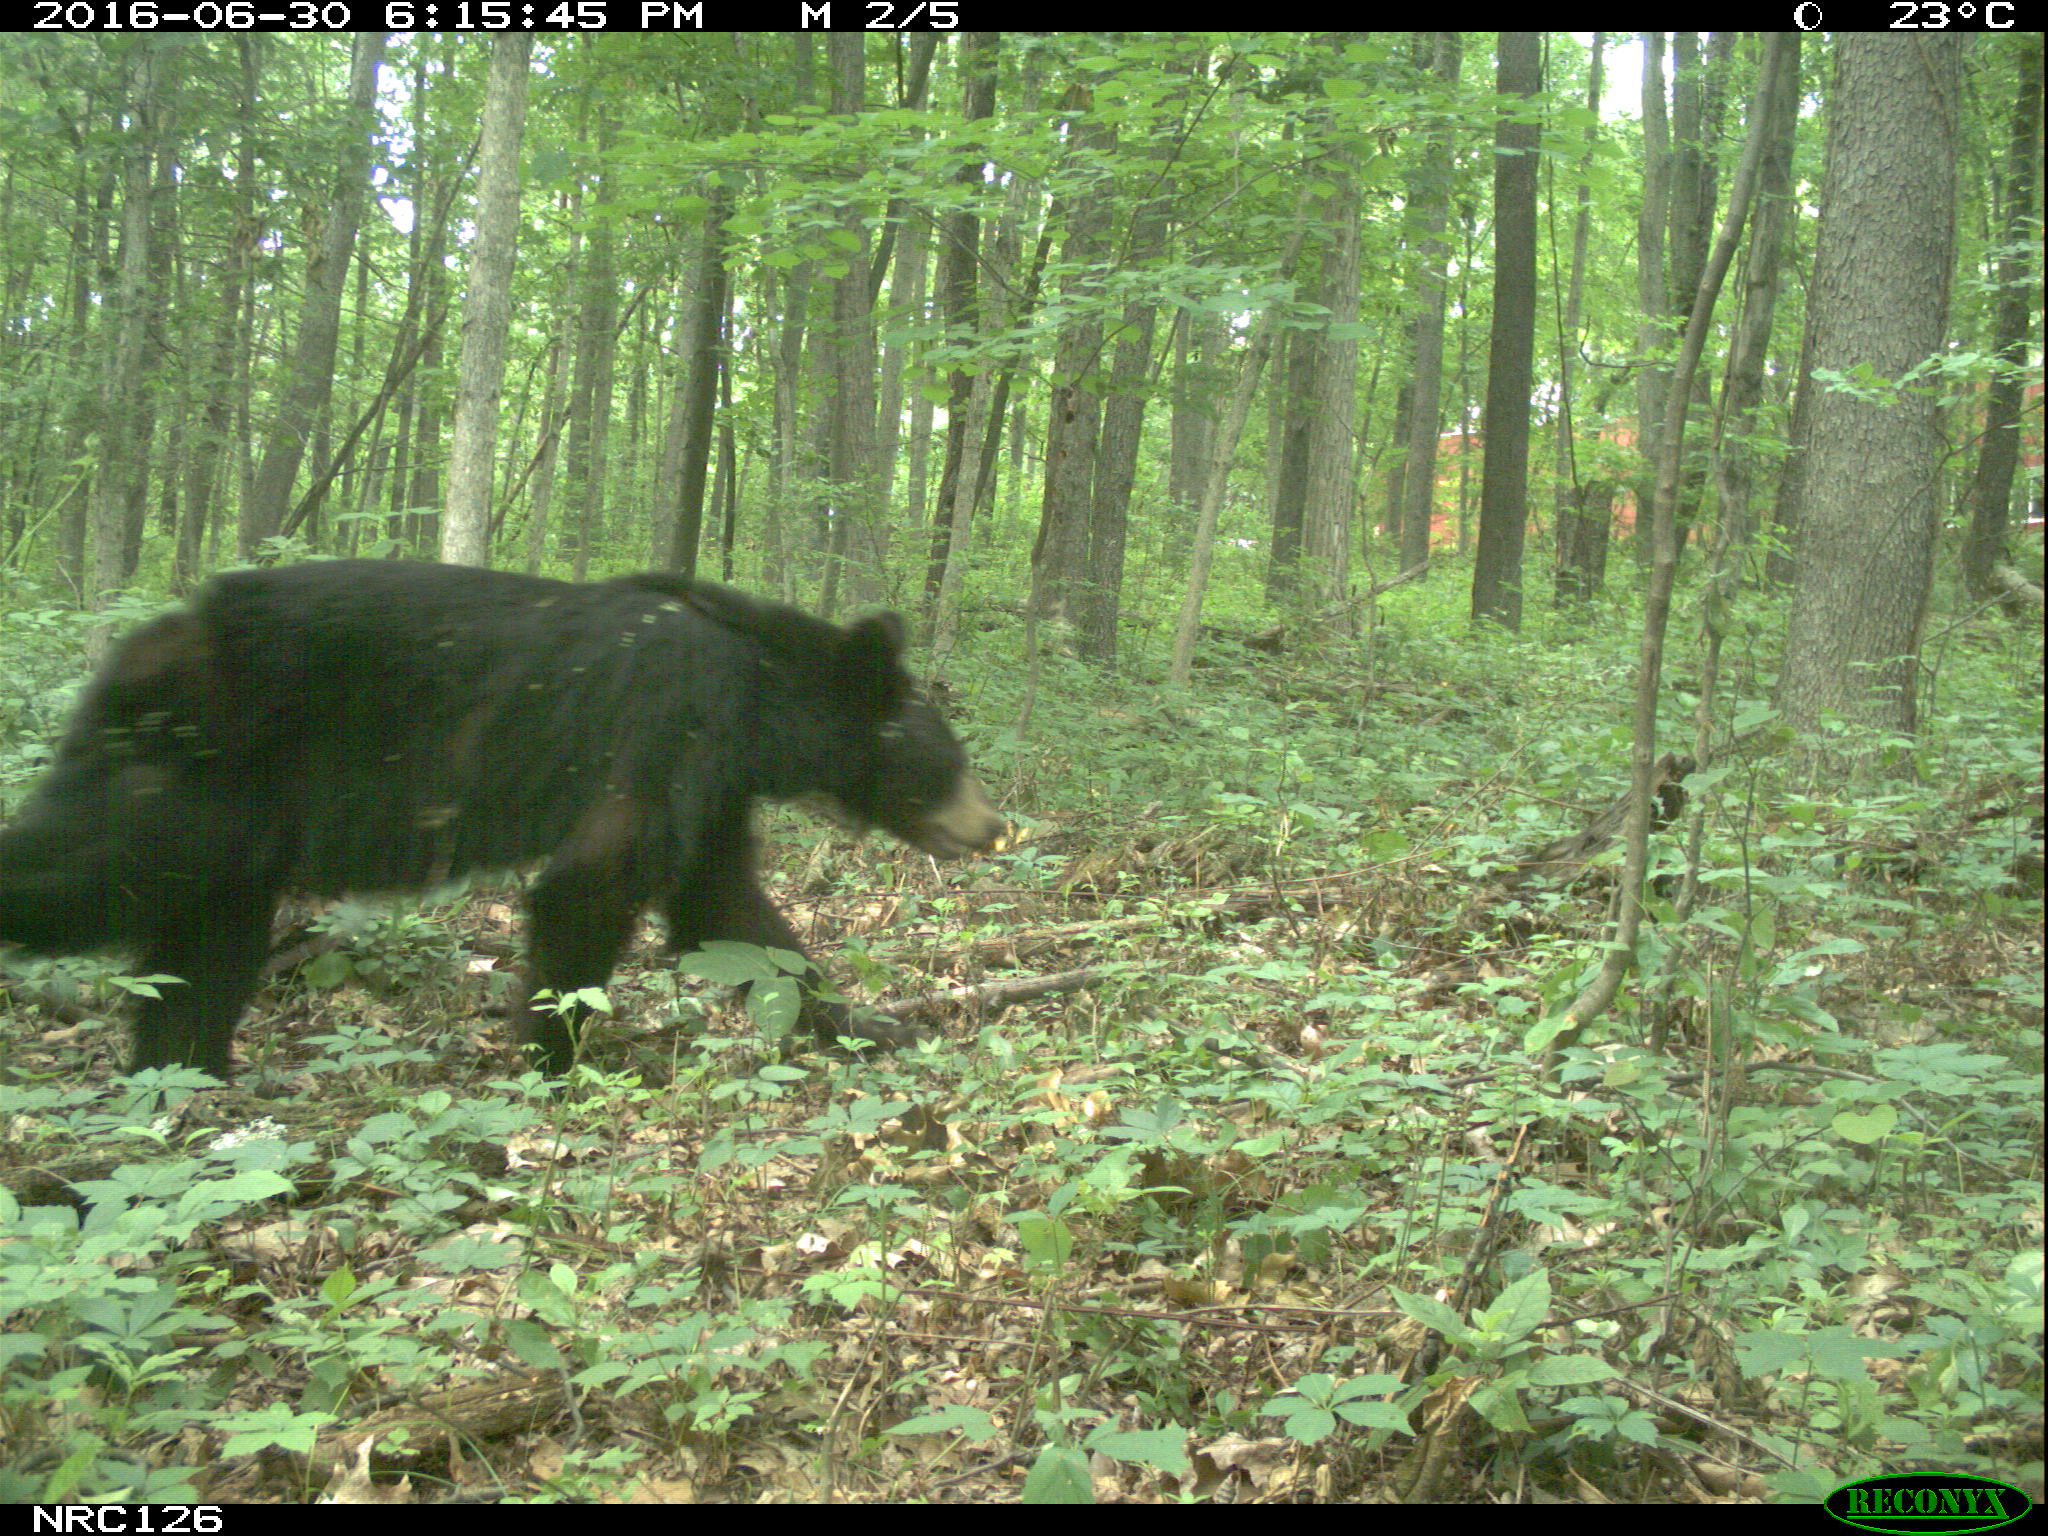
{"x":1582,"y":541}
{"x":1432,"y":213}
{"x":1326,"y":510}
{"x":1652,"y":338}
{"x":553,"y":409}
{"x":1734,"y":457}
{"x":906,"y":302}
{"x":1123,"y":422}
{"x":309,"y":382}
{"x":1229,"y":431}
{"x":1699,"y":101}
{"x":960,"y":315}
{"x":859,"y":543}
{"x":698,"y":391}
{"x":202,"y":471}
{"x":423,"y":510}
{"x":1059,"y":559}
{"x":913,"y":276}
{"x":789,"y":463}
{"x":596,"y":300}
{"x":1573,"y":581}
{"x":1504,"y":484}
{"x":124,"y":445}
{"x":1195,"y":340}
{"x":1880,"y":301}
{"x":1294,"y":386}
{"x":473,"y":445}
{"x":1990,"y":495}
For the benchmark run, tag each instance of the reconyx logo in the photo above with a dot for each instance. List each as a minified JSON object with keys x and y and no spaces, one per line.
{"x":1950,"y":1505}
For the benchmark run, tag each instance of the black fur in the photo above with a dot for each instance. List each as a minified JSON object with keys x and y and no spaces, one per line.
{"x":367,"y":725}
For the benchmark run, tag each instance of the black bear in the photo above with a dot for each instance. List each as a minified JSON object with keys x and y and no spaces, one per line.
{"x":362,"y":725}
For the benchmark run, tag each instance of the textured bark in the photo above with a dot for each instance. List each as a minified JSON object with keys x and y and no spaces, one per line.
{"x":1326,"y":510}
{"x":1880,"y":301}
{"x":472,"y":451}
{"x":310,"y":380}
{"x":1504,"y":486}
{"x":1990,"y":494}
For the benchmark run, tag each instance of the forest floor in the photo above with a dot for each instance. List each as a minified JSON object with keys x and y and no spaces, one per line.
{"x":1224,"y":1171}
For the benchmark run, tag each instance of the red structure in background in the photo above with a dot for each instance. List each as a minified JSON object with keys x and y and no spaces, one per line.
{"x":1620,"y":434}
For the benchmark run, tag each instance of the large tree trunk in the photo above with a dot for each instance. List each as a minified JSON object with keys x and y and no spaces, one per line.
{"x":1880,"y":301}
{"x":697,"y":393}
{"x":309,"y":382}
{"x":124,"y":441}
{"x":1059,"y":559}
{"x":1326,"y":509}
{"x":960,"y":314}
{"x":473,"y":441}
{"x":1123,"y":421}
{"x":1504,"y":486}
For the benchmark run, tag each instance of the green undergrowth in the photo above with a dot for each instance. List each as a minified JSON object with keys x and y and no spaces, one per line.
{"x":1270,"y":1203}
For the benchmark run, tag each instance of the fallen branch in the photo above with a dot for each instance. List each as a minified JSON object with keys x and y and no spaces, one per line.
{"x":2017,"y":586}
{"x":1563,"y":858}
{"x":433,"y":1432}
{"x":1421,"y":568}
{"x":998,"y":994}
{"x":1314,"y":893}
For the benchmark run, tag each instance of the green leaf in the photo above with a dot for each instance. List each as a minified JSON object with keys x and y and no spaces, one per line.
{"x":277,"y":1425}
{"x":1058,"y":1476}
{"x":1500,"y":1404}
{"x":1166,"y":1449}
{"x":1047,"y":1240}
{"x":1432,"y":1313}
{"x":732,"y":964}
{"x":1865,"y":1128}
{"x":961,"y":1419}
{"x":1569,"y":1370}
{"x":328,"y":971}
{"x":1763,"y":928}
{"x":530,"y":1342}
{"x":1521,"y":1308}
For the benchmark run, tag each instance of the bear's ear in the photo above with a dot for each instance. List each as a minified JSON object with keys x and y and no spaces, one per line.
{"x":885,"y":628}
{"x":870,"y":665}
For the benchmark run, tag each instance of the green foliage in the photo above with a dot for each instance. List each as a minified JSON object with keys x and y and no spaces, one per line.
{"x":395,"y":946}
{"x":1313,"y":1407}
{"x":1297,"y":1105}
{"x":101,"y":1356}
{"x":770,"y":975}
